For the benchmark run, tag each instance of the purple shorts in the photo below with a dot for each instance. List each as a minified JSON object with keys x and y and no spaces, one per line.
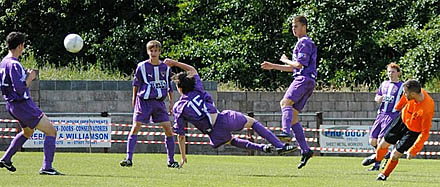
{"x":381,"y":124}
{"x":226,"y":122}
{"x":26,"y":112}
{"x":144,"y":110}
{"x":299,"y":91}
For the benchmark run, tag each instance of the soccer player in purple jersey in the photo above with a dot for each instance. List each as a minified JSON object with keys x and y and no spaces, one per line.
{"x":151,"y":84}
{"x":388,"y":96}
{"x":197,"y":107}
{"x":303,"y":66}
{"x":15,"y":82}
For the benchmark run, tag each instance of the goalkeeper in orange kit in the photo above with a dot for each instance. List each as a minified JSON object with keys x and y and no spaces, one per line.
{"x":409,"y":131}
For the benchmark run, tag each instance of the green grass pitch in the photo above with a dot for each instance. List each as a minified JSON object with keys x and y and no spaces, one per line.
{"x":99,"y":169}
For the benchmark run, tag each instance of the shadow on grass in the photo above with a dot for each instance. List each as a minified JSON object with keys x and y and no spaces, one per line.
{"x":102,"y":176}
{"x":271,"y":176}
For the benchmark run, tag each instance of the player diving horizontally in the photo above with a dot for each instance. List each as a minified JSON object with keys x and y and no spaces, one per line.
{"x":197,"y":107}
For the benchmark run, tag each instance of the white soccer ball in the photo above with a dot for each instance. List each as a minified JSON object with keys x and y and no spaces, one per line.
{"x":73,"y":43}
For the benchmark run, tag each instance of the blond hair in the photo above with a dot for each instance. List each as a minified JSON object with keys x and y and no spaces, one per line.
{"x":154,"y":43}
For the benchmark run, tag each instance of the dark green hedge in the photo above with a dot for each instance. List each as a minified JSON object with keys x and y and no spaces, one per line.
{"x":228,"y":39}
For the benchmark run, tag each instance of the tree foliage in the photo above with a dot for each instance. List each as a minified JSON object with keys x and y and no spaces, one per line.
{"x":228,"y":39}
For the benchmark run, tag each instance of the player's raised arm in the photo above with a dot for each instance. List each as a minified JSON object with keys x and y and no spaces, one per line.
{"x":269,"y":65}
{"x":186,"y":67}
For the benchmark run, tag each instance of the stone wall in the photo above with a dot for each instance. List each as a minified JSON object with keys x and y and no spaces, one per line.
{"x":115,"y":97}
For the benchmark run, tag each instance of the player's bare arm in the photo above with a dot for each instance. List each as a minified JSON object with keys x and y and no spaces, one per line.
{"x":378,"y":99}
{"x":182,"y":141}
{"x":269,"y":66}
{"x":30,"y":76}
{"x":170,"y":108}
{"x":188,"y":68}
{"x":294,"y":64}
{"x":133,"y":98}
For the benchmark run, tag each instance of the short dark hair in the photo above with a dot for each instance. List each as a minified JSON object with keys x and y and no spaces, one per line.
{"x":413,"y":86}
{"x":185,"y":81}
{"x":300,"y":19}
{"x":14,"y":39}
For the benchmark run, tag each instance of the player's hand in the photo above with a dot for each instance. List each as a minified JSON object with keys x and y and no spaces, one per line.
{"x":170,"y":62}
{"x":409,"y":156}
{"x":31,"y":74}
{"x":284,"y":59}
{"x":267,"y":65}
{"x":183,"y":161}
{"x":379,"y":99}
{"x":170,"y":110}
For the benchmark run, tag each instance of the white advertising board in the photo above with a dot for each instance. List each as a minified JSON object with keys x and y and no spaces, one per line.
{"x":351,"y":137}
{"x":73,"y":132}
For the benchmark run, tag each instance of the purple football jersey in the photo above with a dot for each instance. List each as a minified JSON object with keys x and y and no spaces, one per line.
{"x":305,"y":53}
{"x":391,"y":92}
{"x":153,"y":81}
{"x":13,"y":80}
{"x":194,"y":107}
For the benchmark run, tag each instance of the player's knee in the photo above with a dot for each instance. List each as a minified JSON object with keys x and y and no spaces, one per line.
{"x":383,"y":144}
{"x":395,"y":155}
{"x":295,"y":120}
{"x":51,"y":131}
{"x":286,"y":103}
{"x":136,"y":127}
{"x":28,"y":132}
{"x":373,"y":142}
{"x":168,"y":132}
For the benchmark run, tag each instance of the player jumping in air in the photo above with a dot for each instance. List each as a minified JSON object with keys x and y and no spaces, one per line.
{"x":197,"y":107}
{"x":303,"y":66}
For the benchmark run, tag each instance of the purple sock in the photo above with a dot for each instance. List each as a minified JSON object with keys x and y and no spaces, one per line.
{"x":246,"y":144}
{"x":286,"y":120}
{"x":16,"y":143}
{"x":169,"y":145}
{"x":377,"y":164}
{"x":300,"y":137}
{"x":49,"y":151}
{"x":388,"y":155}
{"x":266,"y":134}
{"x":131,"y":144}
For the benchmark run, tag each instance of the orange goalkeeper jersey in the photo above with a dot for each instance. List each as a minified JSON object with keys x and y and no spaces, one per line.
{"x":417,"y":116}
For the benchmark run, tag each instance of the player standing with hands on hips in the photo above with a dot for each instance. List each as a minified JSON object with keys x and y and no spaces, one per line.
{"x":303,"y":66}
{"x":15,"y":83}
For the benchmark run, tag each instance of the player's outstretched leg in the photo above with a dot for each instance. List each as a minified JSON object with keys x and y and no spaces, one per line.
{"x":246,"y":144}
{"x":16,"y":143}
{"x":270,"y":137}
